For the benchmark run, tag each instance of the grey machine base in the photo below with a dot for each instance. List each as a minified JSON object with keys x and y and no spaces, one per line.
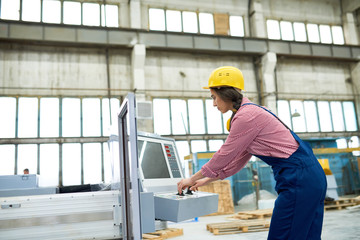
{"x":170,"y":207}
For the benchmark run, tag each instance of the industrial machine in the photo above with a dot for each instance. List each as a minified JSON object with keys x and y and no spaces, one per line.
{"x":143,"y":194}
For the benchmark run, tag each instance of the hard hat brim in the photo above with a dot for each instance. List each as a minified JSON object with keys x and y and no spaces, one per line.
{"x":206,"y":87}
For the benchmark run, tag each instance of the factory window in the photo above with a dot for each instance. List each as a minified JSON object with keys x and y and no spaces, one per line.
{"x":109,"y":115}
{"x":297,"y":31}
{"x":173,"y":21}
{"x":91,"y":117}
{"x":190,"y":22}
{"x":71,"y":117}
{"x":91,"y":14}
{"x":313,"y":33}
{"x":107,"y":163}
{"x":325,"y":34}
{"x":8,"y":120}
{"x":72,"y":13}
{"x":156,"y":19}
{"x":51,"y":11}
{"x":71,"y":164}
{"x":92,"y":163}
{"x":27,"y":158}
{"x":196,"y":116}
{"x":318,"y":116}
{"x":287,"y":32}
{"x":7,"y":159}
{"x":49,"y":165}
{"x":213,"y":118}
{"x":179,"y":117}
{"x":273,"y":29}
{"x":49,"y":117}
{"x":28,"y":117}
{"x":236,"y":26}
{"x":198,"y":146}
{"x":109,"y":15}
{"x":206,"y":23}
{"x":10,"y":9}
{"x":161,"y":116}
{"x":31,"y":10}
{"x":300,"y":32}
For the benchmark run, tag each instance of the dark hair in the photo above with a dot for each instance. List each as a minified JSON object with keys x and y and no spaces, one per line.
{"x":230,"y":94}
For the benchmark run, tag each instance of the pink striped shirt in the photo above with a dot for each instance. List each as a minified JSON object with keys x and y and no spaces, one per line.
{"x":254,"y":131}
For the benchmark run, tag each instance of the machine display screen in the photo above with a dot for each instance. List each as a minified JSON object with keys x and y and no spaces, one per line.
{"x":152,"y":160}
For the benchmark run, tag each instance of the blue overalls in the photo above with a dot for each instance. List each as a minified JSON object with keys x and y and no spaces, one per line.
{"x":301,"y":187}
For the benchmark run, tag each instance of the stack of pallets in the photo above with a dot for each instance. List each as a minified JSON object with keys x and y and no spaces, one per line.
{"x":341,"y":203}
{"x":239,"y":226}
{"x":163,"y":234}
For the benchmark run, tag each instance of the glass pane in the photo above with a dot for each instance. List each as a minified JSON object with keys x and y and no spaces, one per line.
{"x":226,"y":117}
{"x":173,"y":21}
{"x":300,"y":32}
{"x":31,"y":10}
{"x":311,"y":116}
{"x":284,"y":112}
{"x":350,"y":116}
{"x":27,"y":158}
{"x":190,"y":24}
{"x":236,"y":26}
{"x":8,"y":120}
{"x":183,"y":150}
{"x":107,"y":164}
{"x":92,"y":163}
{"x":72,"y":13}
{"x":325,"y":34}
{"x":337,"y":35}
{"x":354,"y":143}
{"x":110,"y":16}
{"x":206,"y":21}
{"x":10,"y":9}
{"x":337,"y":116}
{"x":324,"y":116}
{"x":49,"y":117}
{"x":198,"y":146}
{"x":196,"y":116}
{"x":179,"y":120}
{"x":51,"y":11}
{"x":110,"y":127}
{"x":297,"y":116}
{"x":71,"y":164}
{"x":49,"y":165}
{"x":91,"y":14}
{"x":215,"y":145}
{"x":161,"y":116}
{"x":286,"y":31}
{"x":71,"y":117}
{"x":157,"y":19}
{"x":273,"y":29}
{"x":7,"y":159}
{"x":28,"y":117}
{"x":313,"y":32}
{"x":213,"y":118}
{"x":91,"y":117}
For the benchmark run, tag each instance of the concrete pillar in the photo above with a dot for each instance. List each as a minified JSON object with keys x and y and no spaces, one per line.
{"x":350,"y":29}
{"x":355,"y":82}
{"x":257,"y":20}
{"x":135,"y":14}
{"x":138,"y":84}
{"x":268,"y":64}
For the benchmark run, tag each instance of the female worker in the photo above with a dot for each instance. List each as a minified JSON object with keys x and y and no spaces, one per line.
{"x":254,"y":130}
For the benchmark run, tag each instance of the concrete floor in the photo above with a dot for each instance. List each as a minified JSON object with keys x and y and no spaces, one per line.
{"x":338,"y":225}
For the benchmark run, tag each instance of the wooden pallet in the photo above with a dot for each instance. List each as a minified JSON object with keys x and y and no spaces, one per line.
{"x":164,"y":234}
{"x":255,"y":214}
{"x":340,"y":204}
{"x":240,"y":226}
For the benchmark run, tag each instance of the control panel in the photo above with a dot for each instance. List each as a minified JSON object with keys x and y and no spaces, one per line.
{"x":172,"y":161}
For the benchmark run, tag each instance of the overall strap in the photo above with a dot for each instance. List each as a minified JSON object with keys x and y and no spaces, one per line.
{"x":268,"y":112}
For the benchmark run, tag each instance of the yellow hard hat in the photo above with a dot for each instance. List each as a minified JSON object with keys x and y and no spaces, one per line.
{"x":226,"y":76}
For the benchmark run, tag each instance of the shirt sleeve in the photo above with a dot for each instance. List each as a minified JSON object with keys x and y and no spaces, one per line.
{"x":233,"y":156}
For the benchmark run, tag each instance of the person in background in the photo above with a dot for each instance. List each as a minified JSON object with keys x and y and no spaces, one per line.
{"x":254,"y":130}
{"x":26,"y":171}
